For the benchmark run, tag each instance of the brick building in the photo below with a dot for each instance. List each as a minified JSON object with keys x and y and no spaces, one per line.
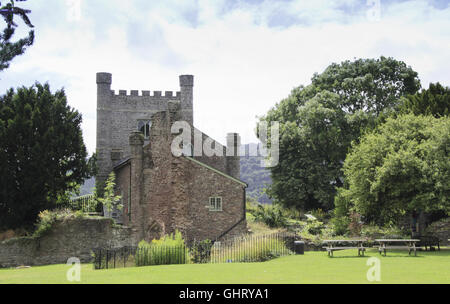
{"x":197,"y":193}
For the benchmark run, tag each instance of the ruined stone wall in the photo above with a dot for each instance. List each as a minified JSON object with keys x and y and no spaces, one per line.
{"x":227,"y":162}
{"x":118,"y":114}
{"x":71,"y":238}
{"x":171,"y":193}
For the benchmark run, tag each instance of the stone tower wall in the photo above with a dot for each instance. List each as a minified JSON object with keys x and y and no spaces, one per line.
{"x":118,"y":113}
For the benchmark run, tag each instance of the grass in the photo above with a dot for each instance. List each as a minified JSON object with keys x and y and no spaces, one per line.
{"x":313,"y":267}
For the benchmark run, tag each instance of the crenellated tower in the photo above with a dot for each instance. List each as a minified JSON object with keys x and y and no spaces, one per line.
{"x":121,"y":113}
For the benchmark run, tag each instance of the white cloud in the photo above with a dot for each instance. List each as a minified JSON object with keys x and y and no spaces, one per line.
{"x":245,"y":59}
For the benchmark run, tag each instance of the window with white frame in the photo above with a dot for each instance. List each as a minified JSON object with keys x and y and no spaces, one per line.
{"x":144,"y":127}
{"x":215,"y":204}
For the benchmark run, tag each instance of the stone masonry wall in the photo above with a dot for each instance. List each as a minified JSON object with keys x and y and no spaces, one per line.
{"x":117,"y":115}
{"x":171,"y":193}
{"x":204,"y":183}
{"x":71,"y":238}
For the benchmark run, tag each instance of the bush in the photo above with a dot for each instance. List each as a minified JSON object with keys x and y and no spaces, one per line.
{"x":48,"y":218}
{"x":355,"y":225}
{"x":201,"y":251}
{"x":270,"y":215}
{"x":320,"y":215}
{"x":374,"y":232}
{"x":169,"y":249}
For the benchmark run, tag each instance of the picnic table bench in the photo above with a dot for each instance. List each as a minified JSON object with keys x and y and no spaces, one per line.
{"x":347,"y":244}
{"x":386,"y":244}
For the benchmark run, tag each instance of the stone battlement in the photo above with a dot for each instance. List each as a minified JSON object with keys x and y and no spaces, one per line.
{"x":143,"y":93}
{"x":121,"y":111}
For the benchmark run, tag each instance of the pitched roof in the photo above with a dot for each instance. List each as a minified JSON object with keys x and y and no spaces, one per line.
{"x":121,"y":163}
{"x":217,"y":171}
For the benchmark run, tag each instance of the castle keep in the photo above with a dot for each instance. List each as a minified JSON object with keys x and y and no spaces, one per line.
{"x":201,"y":195}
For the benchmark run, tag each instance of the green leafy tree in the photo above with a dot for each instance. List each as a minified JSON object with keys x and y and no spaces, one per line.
{"x":8,"y":49}
{"x":42,"y":153}
{"x":433,"y":101}
{"x":109,"y":199}
{"x":318,"y":123}
{"x":401,"y":168}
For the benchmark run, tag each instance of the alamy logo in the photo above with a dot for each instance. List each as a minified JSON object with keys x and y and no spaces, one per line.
{"x":190,"y":142}
{"x":374,"y":272}
{"x":74,"y":12}
{"x":74,"y":272}
{"x":373,"y":14}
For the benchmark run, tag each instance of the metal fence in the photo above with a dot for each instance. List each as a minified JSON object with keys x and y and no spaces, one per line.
{"x":242,"y":249}
{"x":143,"y":256}
{"x":85,"y":203}
{"x":252,"y":248}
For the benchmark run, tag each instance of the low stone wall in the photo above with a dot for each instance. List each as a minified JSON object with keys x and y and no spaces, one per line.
{"x":70,"y":238}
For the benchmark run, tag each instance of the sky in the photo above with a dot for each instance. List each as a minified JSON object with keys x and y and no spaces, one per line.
{"x":245,"y":55}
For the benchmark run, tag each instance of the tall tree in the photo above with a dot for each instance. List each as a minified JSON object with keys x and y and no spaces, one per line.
{"x":401,"y":168}
{"x":433,"y":101}
{"x":8,"y":49}
{"x":42,"y":153}
{"x":318,"y":123}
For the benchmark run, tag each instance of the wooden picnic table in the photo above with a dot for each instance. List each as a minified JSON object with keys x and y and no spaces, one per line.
{"x":332,"y":245}
{"x":386,"y":244}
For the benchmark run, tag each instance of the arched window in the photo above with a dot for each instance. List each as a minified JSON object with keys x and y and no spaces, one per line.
{"x":144,"y":127}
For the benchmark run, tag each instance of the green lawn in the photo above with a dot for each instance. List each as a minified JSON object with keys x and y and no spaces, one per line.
{"x":313,"y":267}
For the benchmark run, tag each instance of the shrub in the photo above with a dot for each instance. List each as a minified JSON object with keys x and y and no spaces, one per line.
{"x":169,"y":249}
{"x":374,"y":232}
{"x":201,"y":251}
{"x":109,"y":200}
{"x":320,"y":214}
{"x":314,"y":227}
{"x":340,"y":224}
{"x":341,"y":220}
{"x":270,"y":215}
{"x":48,"y":218}
{"x":355,"y":225}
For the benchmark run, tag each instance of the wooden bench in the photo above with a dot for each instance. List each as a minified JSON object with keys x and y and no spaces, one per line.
{"x":332,"y":246}
{"x":385,"y":244}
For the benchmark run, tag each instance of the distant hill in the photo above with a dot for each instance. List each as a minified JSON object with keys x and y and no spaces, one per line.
{"x":88,"y":186}
{"x":252,"y":173}
{"x":256,"y":176}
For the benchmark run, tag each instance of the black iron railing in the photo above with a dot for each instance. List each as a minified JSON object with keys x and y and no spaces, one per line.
{"x":242,"y":249}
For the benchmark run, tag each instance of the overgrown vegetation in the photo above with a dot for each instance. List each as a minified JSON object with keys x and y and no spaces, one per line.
{"x":201,"y":251}
{"x":42,"y":153}
{"x":362,"y":142}
{"x":109,"y":200}
{"x":169,"y":249}
{"x":400,"y":168}
{"x":48,"y":218}
{"x":319,"y":225}
{"x":318,"y":123}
